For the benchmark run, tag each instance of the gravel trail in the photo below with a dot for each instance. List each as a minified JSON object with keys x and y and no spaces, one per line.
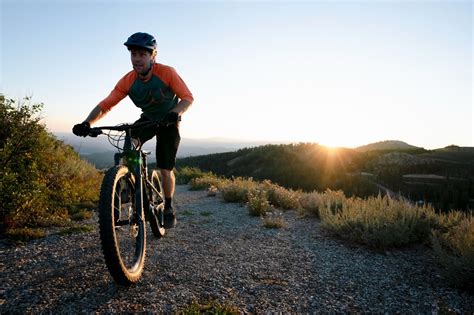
{"x":219,"y":253}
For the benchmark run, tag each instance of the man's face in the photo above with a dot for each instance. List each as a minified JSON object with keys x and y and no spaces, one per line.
{"x":141,"y":59}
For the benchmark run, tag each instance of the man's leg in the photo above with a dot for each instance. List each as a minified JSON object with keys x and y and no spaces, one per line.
{"x":166,"y":148}
{"x":168,"y":182}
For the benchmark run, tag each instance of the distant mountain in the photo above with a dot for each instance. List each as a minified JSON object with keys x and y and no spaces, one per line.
{"x":387,"y":145}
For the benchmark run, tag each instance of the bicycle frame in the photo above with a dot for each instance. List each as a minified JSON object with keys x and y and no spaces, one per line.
{"x":135,"y":158}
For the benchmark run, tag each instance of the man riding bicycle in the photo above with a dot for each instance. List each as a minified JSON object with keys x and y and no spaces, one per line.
{"x":162,"y":96}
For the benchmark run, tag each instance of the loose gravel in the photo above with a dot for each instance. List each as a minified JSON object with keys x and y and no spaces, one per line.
{"x":219,"y":253}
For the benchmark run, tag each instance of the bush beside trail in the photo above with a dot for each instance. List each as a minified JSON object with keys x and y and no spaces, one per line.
{"x":42,"y":180}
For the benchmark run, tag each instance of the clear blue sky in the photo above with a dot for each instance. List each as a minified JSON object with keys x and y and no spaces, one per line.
{"x":337,"y":73}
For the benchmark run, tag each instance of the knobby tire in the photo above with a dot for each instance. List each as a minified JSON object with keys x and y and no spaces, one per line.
{"x":118,"y":193}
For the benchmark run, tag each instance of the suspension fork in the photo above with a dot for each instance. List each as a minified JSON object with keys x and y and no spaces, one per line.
{"x":139,"y":191}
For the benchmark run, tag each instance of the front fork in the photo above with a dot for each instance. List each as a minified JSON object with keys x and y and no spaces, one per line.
{"x":133,"y":161}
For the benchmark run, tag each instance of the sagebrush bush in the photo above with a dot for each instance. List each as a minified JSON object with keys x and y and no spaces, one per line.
{"x":379,"y":221}
{"x":281,"y":197}
{"x":237,"y":189}
{"x":454,"y":249}
{"x":257,"y":203}
{"x":334,"y":199}
{"x":207,"y":181}
{"x":311,"y":202}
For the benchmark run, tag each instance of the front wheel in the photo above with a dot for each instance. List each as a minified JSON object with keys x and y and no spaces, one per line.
{"x":157,"y":206}
{"x":122,"y":226}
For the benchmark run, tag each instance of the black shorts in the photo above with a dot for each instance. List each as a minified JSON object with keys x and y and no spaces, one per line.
{"x":167,"y":142}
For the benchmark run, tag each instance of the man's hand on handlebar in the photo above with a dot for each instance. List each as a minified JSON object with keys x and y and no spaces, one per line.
{"x":171,"y":118}
{"x":82,"y":129}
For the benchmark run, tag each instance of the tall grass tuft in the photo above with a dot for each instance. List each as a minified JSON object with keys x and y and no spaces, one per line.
{"x":24,"y":234}
{"x":281,"y":197}
{"x":274,"y":220}
{"x":258,"y":202}
{"x":311,"y":202}
{"x":207,"y":181}
{"x":379,"y":222}
{"x":453,"y":245}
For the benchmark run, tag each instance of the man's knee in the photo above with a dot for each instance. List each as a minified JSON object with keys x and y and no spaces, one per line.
{"x":167,"y":173}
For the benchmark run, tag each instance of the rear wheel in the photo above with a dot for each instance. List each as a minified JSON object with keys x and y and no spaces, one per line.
{"x":122,"y":227}
{"x":157,"y":206}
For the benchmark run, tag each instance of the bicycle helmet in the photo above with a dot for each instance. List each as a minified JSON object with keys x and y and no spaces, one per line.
{"x":141,"y":40}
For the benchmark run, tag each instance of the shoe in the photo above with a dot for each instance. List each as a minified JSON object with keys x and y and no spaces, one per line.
{"x":170,"y":218}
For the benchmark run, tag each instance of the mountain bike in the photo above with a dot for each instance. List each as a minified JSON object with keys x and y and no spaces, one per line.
{"x":129,"y":196}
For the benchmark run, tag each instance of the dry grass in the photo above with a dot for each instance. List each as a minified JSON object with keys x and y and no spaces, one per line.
{"x":25,"y":234}
{"x":379,"y":222}
{"x":211,"y":307}
{"x":257,"y":203}
{"x":274,"y":221}
{"x":453,"y":245}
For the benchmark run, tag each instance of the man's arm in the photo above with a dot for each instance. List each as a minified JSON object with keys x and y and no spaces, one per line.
{"x":96,"y":114}
{"x":182,"y":106}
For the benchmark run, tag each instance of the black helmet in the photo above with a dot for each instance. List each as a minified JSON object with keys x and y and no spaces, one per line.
{"x":141,"y":40}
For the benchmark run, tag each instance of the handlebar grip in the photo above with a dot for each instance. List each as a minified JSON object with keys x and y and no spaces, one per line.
{"x":94,"y":132}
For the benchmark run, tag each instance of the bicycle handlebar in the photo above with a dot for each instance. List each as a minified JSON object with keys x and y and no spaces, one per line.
{"x":95,"y":131}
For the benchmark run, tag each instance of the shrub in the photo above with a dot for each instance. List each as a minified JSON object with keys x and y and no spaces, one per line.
{"x":237,"y":189}
{"x":311,"y":202}
{"x":207,"y":181}
{"x":186,"y":174}
{"x":379,"y":221}
{"x":274,"y":221}
{"x":454,"y":249}
{"x":212,"y":191}
{"x":39,"y":175}
{"x":258,"y":202}
{"x":281,"y":197}
{"x":333,"y":199}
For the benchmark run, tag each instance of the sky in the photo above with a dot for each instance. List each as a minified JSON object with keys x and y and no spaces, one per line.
{"x":338,"y":73}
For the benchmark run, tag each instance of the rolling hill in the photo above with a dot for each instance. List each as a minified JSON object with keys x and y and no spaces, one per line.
{"x":387,"y":145}
{"x":446,"y":174}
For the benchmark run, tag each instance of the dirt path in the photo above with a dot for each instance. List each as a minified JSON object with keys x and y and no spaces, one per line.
{"x":220,"y":253}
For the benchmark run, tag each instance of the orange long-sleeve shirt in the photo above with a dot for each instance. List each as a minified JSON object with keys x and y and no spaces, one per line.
{"x":156,"y":96}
